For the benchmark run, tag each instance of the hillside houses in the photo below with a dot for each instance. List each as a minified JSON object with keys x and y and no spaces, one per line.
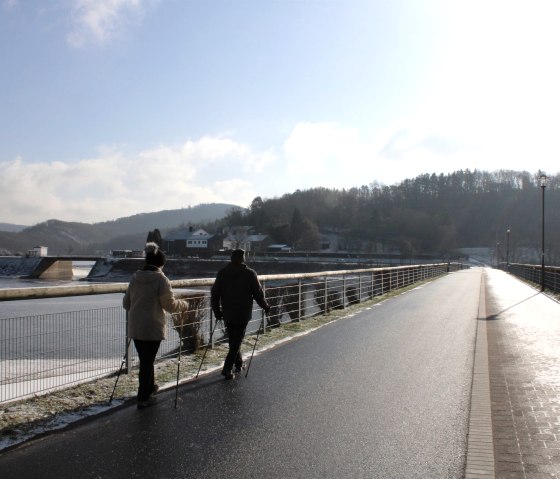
{"x":185,"y":242}
{"x":245,"y":238}
{"x":189,"y":242}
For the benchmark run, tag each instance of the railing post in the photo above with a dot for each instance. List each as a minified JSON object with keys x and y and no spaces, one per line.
{"x":127,"y":348}
{"x":359,"y":287}
{"x":326,"y":294}
{"x":299,"y":300}
{"x":344,"y":291}
{"x":263,"y":319}
{"x":211,"y":328}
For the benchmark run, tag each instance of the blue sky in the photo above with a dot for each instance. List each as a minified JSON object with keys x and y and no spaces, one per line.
{"x":110,"y":108}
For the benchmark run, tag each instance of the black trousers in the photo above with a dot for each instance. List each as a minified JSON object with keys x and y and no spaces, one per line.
{"x":147,"y":352}
{"x":236,"y":333}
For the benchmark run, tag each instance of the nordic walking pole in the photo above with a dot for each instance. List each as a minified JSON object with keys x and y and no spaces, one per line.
{"x":120,"y":369}
{"x":255,"y":345}
{"x":179,"y":364}
{"x":206,"y":349}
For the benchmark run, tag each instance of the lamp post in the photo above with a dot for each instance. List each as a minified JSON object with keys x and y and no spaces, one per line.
{"x":507,"y":251}
{"x":542,"y":181}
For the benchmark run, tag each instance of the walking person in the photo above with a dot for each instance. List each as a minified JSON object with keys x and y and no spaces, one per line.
{"x":148,"y":296}
{"x":232,"y":296}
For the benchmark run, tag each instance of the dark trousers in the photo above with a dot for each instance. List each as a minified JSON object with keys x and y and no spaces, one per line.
{"x":147,"y":352}
{"x":236,"y":333}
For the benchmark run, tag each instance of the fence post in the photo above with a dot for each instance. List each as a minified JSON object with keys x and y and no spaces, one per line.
{"x":263,"y":319}
{"x":127,"y":348}
{"x":326,"y":294}
{"x":211,"y":329}
{"x":343,"y":291}
{"x":299,"y":301}
{"x":359,"y":287}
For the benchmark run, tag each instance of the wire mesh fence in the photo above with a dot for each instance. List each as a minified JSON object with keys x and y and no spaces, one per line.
{"x":45,"y":352}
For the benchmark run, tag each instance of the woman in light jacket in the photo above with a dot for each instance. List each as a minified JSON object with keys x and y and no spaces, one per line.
{"x":148,"y":296}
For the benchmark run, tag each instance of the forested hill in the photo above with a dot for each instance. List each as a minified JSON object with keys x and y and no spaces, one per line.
{"x":427,"y":214}
{"x":131,"y":232}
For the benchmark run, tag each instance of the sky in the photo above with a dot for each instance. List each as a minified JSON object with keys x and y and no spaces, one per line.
{"x":110,"y":108}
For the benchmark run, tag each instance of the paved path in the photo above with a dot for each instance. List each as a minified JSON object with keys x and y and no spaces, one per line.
{"x":523,"y":330}
{"x":382,"y":394}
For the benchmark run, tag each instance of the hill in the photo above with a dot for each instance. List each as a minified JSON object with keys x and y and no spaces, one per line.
{"x":144,"y":222}
{"x":429,"y":215}
{"x":11,"y":228}
{"x":124,"y":233}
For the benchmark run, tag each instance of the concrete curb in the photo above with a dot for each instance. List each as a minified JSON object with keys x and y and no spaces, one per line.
{"x":480,"y":446}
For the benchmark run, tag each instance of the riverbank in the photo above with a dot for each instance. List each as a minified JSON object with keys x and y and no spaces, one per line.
{"x":18,"y":266}
{"x":121,"y":270}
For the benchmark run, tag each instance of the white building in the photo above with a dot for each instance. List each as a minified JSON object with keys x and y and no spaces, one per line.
{"x":37,"y":251}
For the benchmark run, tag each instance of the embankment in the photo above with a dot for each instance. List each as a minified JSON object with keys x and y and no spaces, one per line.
{"x":123,"y":269}
{"x":18,"y":266}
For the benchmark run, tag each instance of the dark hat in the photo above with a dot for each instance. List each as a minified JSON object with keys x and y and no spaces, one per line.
{"x":238,"y":255}
{"x":154,"y":256}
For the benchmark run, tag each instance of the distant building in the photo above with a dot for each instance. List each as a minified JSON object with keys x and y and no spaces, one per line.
{"x":186,"y":242}
{"x":37,"y":251}
{"x":237,"y":237}
{"x":244,"y":237}
{"x":127,"y":253}
{"x":259,"y":243}
{"x":279,"y":247}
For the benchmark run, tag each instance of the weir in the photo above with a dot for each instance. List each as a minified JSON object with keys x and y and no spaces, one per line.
{"x":53,"y":268}
{"x":45,"y":267}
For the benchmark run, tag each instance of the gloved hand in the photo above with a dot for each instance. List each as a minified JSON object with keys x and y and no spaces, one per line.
{"x":267,"y":309}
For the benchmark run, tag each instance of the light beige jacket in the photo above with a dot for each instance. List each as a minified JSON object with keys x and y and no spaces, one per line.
{"x":148,"y":296}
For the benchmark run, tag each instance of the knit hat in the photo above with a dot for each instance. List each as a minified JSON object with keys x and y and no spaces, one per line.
{"x":238,"y":255}
{"x":154,"y":256}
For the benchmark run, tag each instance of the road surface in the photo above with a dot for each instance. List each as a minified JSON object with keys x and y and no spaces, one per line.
{"x":382,"y":394}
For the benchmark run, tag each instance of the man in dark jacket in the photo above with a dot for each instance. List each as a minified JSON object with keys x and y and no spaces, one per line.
{"x":232,"y":296}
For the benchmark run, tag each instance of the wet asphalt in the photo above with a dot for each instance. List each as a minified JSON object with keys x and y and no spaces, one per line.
{"x":382,"y":394}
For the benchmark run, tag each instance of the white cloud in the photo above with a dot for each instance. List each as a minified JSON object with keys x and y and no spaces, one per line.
{"x":333,"y":155}
{"x":117,"y":184}
{"x":99,"y":21}
{"x":222,"y":151}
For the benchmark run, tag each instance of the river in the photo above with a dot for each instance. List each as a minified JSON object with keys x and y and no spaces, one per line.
{"x":15,"y":309}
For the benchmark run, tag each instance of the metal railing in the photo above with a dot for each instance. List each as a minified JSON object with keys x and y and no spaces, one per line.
{"x":533,"y":274}
{"x":51,"y":351}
